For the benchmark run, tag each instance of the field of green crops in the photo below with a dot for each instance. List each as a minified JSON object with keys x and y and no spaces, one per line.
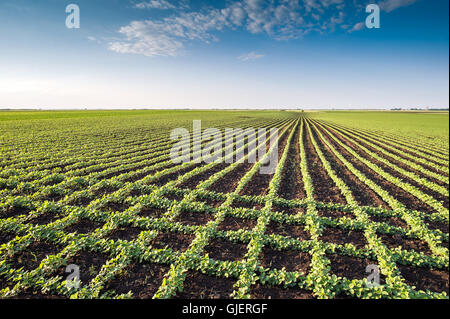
{"x":97,"y":191}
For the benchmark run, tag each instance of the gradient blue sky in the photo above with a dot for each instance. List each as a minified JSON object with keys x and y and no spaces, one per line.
{"x":231,"y":54}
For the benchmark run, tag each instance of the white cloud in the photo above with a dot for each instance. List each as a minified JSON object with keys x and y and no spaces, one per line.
{"x":391,"y":5}
{"x":148,"y":38}
{"x":250,"y":56}
{"x":278,"y":19}
{"x":357,"y":27}
{"x":155,"y":4}
{"x":166,"y":36}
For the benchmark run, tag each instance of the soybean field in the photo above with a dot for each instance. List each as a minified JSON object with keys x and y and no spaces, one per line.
{"x":93,"y":206}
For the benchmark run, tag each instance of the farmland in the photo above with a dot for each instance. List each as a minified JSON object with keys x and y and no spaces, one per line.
{"x":97,"y":189}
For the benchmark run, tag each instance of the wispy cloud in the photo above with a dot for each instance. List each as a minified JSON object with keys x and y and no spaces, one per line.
{"x":391,"y":5}
{"x":165,"y":37}
{"x":155,"y":4}
{"x":250,"y":56}
{"x":357,"y":27}
{"x":278,"y":19}
{"x":148,"y":38}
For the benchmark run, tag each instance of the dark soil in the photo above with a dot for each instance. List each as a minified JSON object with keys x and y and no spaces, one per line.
{"x":445,"y":243}
{"x":324,"y":188}
{"x":234,"y":224}
{"x":259,"y":183}
{"x":89,"y":263}
{"x":443,"y":227}
{"x":288,"y":230}
{"x":241,"y":204}
{"x":401,"y":151}
{"x":129,"y":170}
{"x":80,"y":201}
{"x":425,"y":176}
{"x":334,"y":214}
{"x":401,"y":195}
{"x":143,"y":280}
{"x":225,"y":250}
{"x":259,"y":291}
{"x":15,"y":211}
{"x":163,"y":180}
{"x":291,"y":260}
{"x":44,"y":219}
{"x":116,"y":206}
{"x":229,"y":182}
{"x":200,"y":286}
{"x":288,"y":211}
{"x":394,"y":161}
{"x":392,"y":221}
{"x":138,"y":176}
{"x":343,"y":295}
{"x":33,"y":255}
{"x":174,"y":197}
{"x":391,"y":171}
{"x":4,"y":283}
{"x":423,"y":278}
{"x":212,"y":202}
{"x":194,"y":218}
{"x":84,"y":226}
{"x":351,"y":267}
{"x":341,"y":237}
{"x":125,"y":233}
{"x":152,"y":212}
{"x":197,"y":179}
{"x":361,"y":192}
{"x":394,"y":241}
{"x":6,"y":237}
{"x":291,"y":186}
{"x":175,"y":241}
{"x":108,"y":189}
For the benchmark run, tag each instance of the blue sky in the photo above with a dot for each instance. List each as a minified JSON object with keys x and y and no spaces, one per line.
{"x":224,"y":53}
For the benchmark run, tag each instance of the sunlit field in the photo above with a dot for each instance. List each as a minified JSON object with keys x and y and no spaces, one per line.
{"x":354,"y":195}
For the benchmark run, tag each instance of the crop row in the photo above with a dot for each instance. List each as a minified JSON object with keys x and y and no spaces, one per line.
{"x":153,"y":202}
